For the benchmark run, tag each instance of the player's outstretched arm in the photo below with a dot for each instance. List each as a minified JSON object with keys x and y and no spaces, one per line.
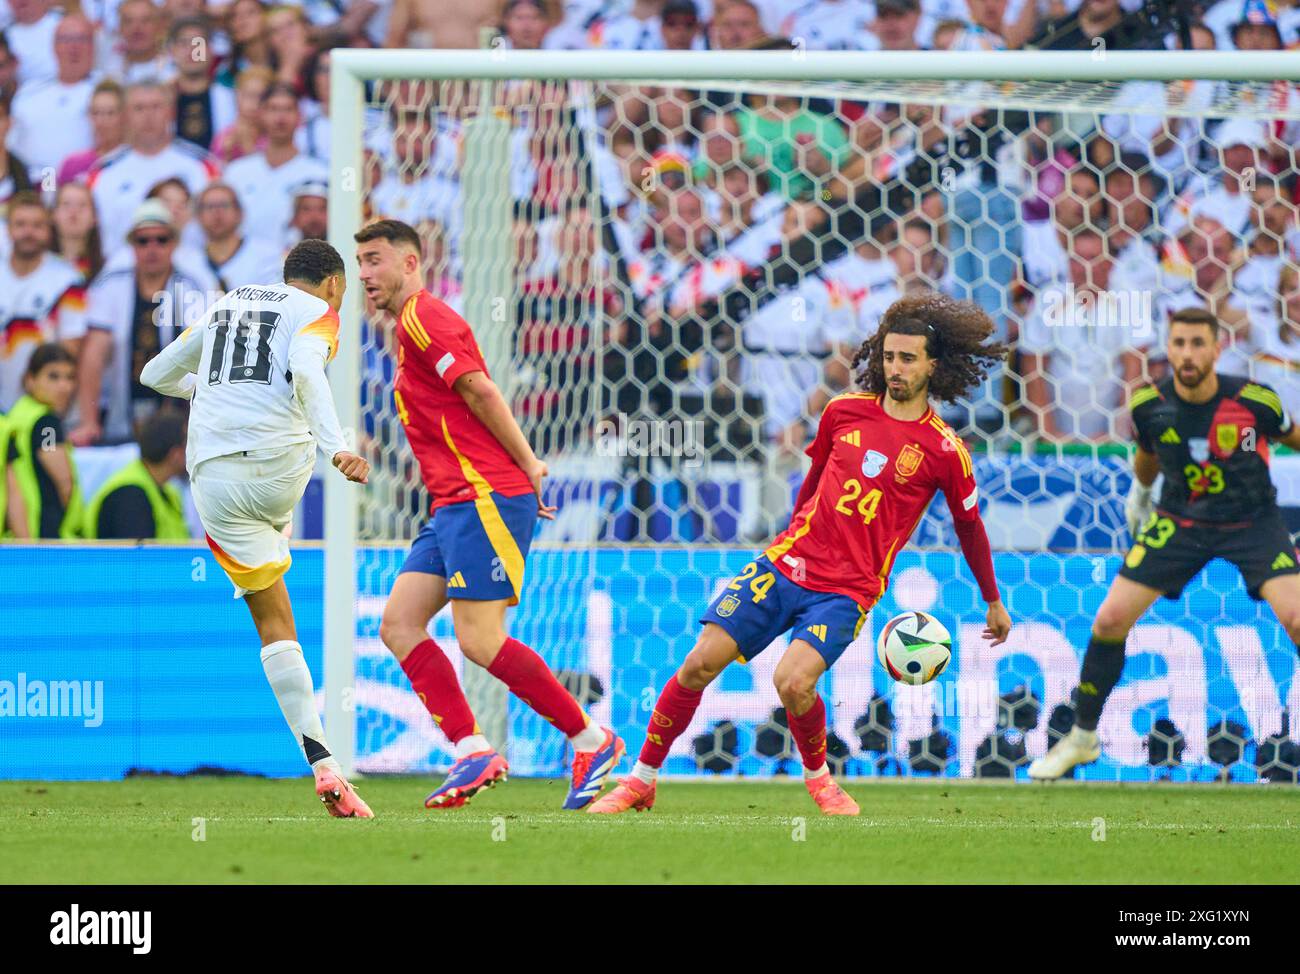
{"x":978,"y":553}
{"x":962,"y":495}
{"x":307,"y":363}
{"x":485,"y":401}
{"x":171,"y":371}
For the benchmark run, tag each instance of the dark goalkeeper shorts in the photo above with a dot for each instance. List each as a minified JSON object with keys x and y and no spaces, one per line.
{"x":1170,"y":551}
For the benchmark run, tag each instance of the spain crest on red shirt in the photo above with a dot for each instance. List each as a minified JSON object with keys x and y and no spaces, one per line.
{"x":909,"y":460}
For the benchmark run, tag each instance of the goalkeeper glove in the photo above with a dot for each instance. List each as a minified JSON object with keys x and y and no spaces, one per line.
{"x":1138,"y":507}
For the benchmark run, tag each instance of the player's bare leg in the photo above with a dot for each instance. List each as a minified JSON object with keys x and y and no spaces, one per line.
{"x":1125,"y":603}
{"x":714,"y":651}
{"x":287,"y":672}
{"x":1283,"y":596}
{"x":480,"y":627}
{"x":415,"y":599}
{"x":796,"y":684}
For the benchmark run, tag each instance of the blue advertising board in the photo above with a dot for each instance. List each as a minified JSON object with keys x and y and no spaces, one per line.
{"x":116,"y":659}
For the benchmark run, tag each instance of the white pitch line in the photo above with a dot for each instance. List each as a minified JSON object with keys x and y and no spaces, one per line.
{"x":785,"y":821}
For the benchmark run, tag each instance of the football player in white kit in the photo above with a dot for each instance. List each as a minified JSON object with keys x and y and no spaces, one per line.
{"x":260,"y":407}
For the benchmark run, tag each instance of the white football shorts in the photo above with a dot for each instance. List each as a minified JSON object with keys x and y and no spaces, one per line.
{"x":246,"y":503}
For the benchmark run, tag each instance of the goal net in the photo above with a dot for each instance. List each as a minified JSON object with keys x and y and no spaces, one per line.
{"x":669,"y":274}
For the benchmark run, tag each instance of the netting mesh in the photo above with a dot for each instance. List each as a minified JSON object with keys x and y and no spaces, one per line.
{"x":669,"y":281}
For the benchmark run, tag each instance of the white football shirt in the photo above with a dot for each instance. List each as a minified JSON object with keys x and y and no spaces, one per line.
{"x":51,"y":121}
{"x":266,"y":193}
{"x":244,"y":395}
{"x":47,"y":305}
{"x":122,"y":179}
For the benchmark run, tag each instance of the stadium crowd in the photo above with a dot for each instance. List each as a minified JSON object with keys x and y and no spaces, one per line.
{"x":153,"y":155}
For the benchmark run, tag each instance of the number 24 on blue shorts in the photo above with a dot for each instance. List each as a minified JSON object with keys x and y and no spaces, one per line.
{"x":760,"y":604}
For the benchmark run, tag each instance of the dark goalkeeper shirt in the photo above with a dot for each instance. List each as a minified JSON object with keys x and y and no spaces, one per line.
{"x":1214,"y":455}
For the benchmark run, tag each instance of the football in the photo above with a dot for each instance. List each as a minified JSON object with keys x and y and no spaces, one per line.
{"x":914,"y":648}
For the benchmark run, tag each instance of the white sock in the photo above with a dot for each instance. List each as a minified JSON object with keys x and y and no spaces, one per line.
{"x":643,"y":772}
{"x":590,"y":738}
{"x":471,"y":745}
{"x":809,"y":775}
{"x":290,"y":679}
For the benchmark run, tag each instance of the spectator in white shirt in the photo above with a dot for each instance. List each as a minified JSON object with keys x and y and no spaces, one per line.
{"x":233,"y":257}
{"x":784,"y":345}
{"x":265,"y":180}
{"x":638,"y":29}
{"x":1043,"y":250}
{"x":311,"y":212}
{"x":122,"y":180}
{"x":750,"y":217}
{"x":51,"y":118}
{"x":832,"y":25}
{"x":1083,"y":346}
{"x":42,"y":296}
{"x":1275,"y":244}
{"x":131,"y":314}
{"x":1276,"y":338}
{"x":139,"y":53}
{"x":1224,"y":196}
{"x":31,"y":39}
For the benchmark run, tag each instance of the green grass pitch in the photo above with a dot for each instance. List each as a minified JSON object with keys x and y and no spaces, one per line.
{"x":274,"y":831}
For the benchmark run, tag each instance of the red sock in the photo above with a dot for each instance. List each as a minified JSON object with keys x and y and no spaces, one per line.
{"x":531,"y":680}
{"x":435,"y":684}
{"x":809,"y":732}
{"x":672,"y":715}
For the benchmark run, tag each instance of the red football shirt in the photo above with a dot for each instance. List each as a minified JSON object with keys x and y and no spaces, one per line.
{"x":872,"y":479}
{"x":459,"y":457}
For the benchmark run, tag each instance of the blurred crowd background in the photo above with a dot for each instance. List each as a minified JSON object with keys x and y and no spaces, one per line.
{"x":680,"y":255}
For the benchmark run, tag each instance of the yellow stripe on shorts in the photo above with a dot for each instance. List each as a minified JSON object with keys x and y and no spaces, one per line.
{"x":499,"y":536}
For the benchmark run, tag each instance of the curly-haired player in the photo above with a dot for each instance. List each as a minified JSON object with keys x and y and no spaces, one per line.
{"x":879,"y":456}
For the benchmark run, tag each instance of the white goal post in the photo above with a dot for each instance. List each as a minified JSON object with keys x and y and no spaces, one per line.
{"x":351,"y":70}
